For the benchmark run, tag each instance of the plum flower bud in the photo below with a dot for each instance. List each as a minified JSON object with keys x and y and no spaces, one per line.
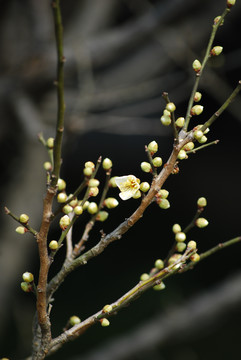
{"x":216,"y":50}
{"x":146,"y":167}
{"x":203,"y":139}
{"x":78,"y":210}
{"x":202,"y":202}
{"x":171,"y":107}
{"x":89,"y":164}
{"x":107,"y":309}
{"x":74,"y":320}
{"x":104,"y":322}
{"x":164,"y":204}
{"x":198,"y":134}
{"x":159,"y":287}
{"x":196,"y":65}
{"x":137,"y":195}
{"x":73,"y":202}
{"x":88,"y":171}
{"x":21,"y":230}
{"x":61,"y":184}
{"x":180,"y":122}
{"x":93,"y":183}
{"x":144,"y":277}
{"x":195,"y":257}
{"x":176,"y":228}
{"x":53,"y":245}
{"x":180,"y":237}
{"x":47,"y":166}
{"x":166,"y":120}
{"x":23,"y":218}
{"x":181,"y":246}
{"x":128,"y":186}
{"x":94,"y":191}
{"x":174,"y":258}
{"x":230,"y":3}
{"x":62,"y":197}
{"x":92,"y":208}
{"x":107,"y":164}
{"x":112,"y":182}
{"x":64,"y":222}
{"x":26,"y":287}
{"x":163,"y":193}
{"x":50,"y":143}
{"x":67,"y":209}
{"x":144,"y":186}
{"x":197,"y":96}
{"x":196,"y":110}
{"x":182,"y":155}
{"x":157,"y":161}
{"x":201,"y":222}
{"x":111,"y":203}
{"x":153,"y":147}
{"x":192,"y":244}
{"x":102,"y":216}
{"x":159,"y":264}
{"x":28,"y":277}
{"x":216,"y":20}
{"x":189,"y":146}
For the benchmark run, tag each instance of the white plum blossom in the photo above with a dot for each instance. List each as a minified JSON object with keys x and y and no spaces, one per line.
{"x":128,"y":186}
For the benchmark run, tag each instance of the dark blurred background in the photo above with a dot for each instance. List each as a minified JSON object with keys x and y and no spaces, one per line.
{"x":121,"y":55}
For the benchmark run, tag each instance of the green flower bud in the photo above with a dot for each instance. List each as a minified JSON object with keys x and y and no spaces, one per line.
{"x":26,"y":287}
{"x":85,"y":205}
{"x":197,"y":96}
{"x":74,"y":320}
{"x":203,"y":139}
{"x":157,"y":161}
{"x":230,"y":3}
{"x":50,"y":143}
{"x":112,"y":182}
{"x":166,"y":120}
{"x":61,"y":184}
{"x":180,"y":246}
{"x":216,"y":20}
{"x":166,"y":113}
{"x":153,"y":147}
{"x":47,"y":166}
{"x":196,"y":110}
{"x":102,"y":216}
{"x":21,"y":230}
{"x":62,"y":197}
{"x":89,"y":164}
{"x":202,"y":202}
{"x":144,"y":186}
{"x":163,"y":194}
{"x":73,"y":202}
{"x":159,"y":264}
{"x":189,"y":146}
{"x":146,"y":167}
{"x":164,"y":204}
{"x":94,"y":191}
{"x":64,"y":222}
{"x":198,"y":134}
{"x":195,"y":257}
{"x":159,"y":287}
{"x":176,"y":228}
{"x":180,"y":236}
{"x":107,"y":164}
{"x":23,"y":218}
{"x":92,"y":208}
{"x":170,"y":107}
{"x":67,"y":209}
{"x":144,"y":277}
{"x":104,"y":322}
{"x":88,"y":171}
{"x":201,"y":222}
{"x":182,"y":155}
{"x":216,"y":50}
{"x":28,"y":277}
{"x":196,"y":65}
{"x":53,"y":245}
{"x":107,"y":309}
{"x":192,"y":244}
{"x":78,"y":210}
{"x":93,"y":183}
{"x":180,"y":122}
{"x":111,"y":203}
{"x":137,"y":195}
{"x":174,"y":258}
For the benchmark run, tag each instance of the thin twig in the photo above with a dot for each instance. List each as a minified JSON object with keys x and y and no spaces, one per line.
{"x":16,"y":218}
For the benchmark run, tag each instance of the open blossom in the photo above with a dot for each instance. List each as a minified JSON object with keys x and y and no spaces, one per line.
{"x":128,"y":186}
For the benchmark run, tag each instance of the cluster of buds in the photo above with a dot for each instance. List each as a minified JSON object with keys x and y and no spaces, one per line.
{"x":89,"y":168}
{"x":27,"y":284}
{"x":161,"y":199}
{"x":166,"y":116}
{"x":199,"y":135}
